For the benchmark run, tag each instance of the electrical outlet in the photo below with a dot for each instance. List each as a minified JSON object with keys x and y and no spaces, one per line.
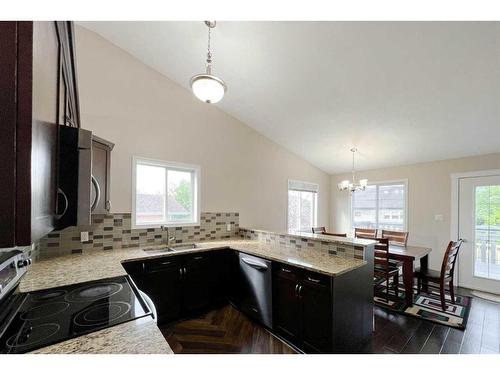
{"x":228,"y":227}
{"x":438,"y":217}
{"x":84,"y":236}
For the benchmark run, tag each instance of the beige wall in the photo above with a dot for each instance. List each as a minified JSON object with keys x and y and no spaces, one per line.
{"x":429,"y":194}
{"x":146,"y":114}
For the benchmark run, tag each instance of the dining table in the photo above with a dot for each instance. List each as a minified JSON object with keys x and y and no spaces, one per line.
{"x":408,"y":255}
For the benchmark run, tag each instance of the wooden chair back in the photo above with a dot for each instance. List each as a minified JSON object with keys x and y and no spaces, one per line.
{"x":335,"y":234}
{"x":381,"y":256}
{"x":450,"y":258}
{"x":395,"y":237}
{"x":365,"y":233}
{"x":318,"y":230}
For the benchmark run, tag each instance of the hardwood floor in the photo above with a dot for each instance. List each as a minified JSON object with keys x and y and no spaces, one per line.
{"x":396,"y":333}
{"x":223,"y":331}
{"x":226,"y":330}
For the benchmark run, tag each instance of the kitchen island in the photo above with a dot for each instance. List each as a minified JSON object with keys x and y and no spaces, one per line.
{"x":349,"y":281}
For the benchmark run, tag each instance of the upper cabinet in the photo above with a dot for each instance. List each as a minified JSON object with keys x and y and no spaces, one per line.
{"x":38,"y":92}
{"x":101,"y":179}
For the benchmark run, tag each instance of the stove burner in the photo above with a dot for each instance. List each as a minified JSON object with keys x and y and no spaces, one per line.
{"x":32,"y":335}
{"x":93,"y":292}
{"x":103,"y":313}
{"x":44,"y":311}
{"x":44,"y":296}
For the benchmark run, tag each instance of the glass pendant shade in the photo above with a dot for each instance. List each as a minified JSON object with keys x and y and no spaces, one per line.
{"x":208,"y":88}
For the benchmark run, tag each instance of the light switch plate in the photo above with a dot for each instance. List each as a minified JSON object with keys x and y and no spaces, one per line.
{"x":438,"y":217}
{"x":84,"y":236}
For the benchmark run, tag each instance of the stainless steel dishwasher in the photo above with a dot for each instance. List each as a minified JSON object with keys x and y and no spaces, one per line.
{"x":256,"y":287}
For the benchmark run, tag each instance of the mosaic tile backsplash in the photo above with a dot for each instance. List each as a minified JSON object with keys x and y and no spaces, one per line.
{"x":113,"y":231}
{"x":296,"y":243}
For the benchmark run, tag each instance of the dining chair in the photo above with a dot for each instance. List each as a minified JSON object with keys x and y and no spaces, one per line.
{"x":365,"y":233}
{"x":395,"y":237}
{"x":318,"y":230}
{"x":383,"y":270}
{"x":443,"y":277}
{"x":335,"y":234}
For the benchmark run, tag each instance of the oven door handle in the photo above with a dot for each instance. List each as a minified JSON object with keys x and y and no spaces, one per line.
{"x":150,"y":304}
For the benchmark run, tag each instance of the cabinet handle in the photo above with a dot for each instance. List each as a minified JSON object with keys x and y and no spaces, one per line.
{"x":313,"y":280}
{"x":165,"y":263}
{"x":185,"y":271}
{"x":296,"y":290}
{"x":180,"y":272}
{"x":97,"y":193}
{"x":66,"y":203}
{"x":286,"y":270}
{"x":300,"y":292}
{"x":198,"y":258}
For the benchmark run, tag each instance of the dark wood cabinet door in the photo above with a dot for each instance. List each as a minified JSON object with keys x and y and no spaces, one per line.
{"x":162,"y":283}
{"x":286,"y":305}
{"x":101,"y":168}
{"x":315,"y":296}
{"x":221,"y":275}
{"x":196,"y":283}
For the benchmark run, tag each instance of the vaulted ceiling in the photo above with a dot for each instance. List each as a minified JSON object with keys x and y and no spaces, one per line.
{"x":402,"y":92}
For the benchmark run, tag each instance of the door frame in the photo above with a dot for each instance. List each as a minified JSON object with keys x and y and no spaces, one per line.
{"x":455,"y":202}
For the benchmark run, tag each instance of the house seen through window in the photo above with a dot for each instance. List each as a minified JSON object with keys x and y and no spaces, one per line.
{"x":381,"y":206}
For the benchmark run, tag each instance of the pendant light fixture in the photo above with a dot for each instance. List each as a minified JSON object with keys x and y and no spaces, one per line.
{"x":353,"y":186}
{"x":207,"y":87}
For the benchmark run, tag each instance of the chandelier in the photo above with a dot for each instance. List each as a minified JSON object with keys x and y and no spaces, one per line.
{"x":353,"y":186}
{"x":207,"y":87}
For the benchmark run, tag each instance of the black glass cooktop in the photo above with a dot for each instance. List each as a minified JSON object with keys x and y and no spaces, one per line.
{"x":53,"y":315}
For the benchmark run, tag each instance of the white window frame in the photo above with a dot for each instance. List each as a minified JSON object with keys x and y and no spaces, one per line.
{"x":195,"y":169}
{"x":387,"y":182}
{"x":315,"y":206}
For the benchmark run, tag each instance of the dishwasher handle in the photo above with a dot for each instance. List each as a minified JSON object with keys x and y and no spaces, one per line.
{"x":255,"y":263}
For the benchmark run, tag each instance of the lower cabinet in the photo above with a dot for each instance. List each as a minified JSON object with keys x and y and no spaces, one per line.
{"x":304,"y":304}
{"x":303,"y":312}
{"x":178,"y":285}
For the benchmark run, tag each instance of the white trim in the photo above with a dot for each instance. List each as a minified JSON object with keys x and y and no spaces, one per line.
{"x":195,"y":169}
{"x":455,"y":195}
{"x":404,"y":181}
{"x":455,"y":205}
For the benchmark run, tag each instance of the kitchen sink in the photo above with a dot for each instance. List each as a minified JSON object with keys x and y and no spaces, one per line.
{"x":186,"y":246}
{"x":170,"y":249}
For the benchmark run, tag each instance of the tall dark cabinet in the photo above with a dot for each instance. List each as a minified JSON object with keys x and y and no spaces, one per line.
{"x":38,"y":92}
{"x":101,"y":178}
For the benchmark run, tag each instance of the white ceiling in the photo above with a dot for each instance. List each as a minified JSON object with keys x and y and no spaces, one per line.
{"x":402,"y":92}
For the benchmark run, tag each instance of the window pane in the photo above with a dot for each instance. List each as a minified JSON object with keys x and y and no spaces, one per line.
{"x":487,"y":232}
{"x":150,"y":194}
{"x":380,"y":207}
{"x":391,"y":203}
{"x":293,"y":210}
{"x":364,"y":203}
{"x":180,"y":196}
{"x":301,"y":210}
{"x":306,"y":211}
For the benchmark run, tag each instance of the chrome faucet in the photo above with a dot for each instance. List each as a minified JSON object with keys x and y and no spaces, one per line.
{"x":169,"y":238}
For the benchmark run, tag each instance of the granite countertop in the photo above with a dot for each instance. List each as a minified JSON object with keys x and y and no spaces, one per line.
{"x":135,"y":338}
{"x":141,"y":336}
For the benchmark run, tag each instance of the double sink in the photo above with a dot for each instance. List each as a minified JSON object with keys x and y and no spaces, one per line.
{"x":171,"y":249}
